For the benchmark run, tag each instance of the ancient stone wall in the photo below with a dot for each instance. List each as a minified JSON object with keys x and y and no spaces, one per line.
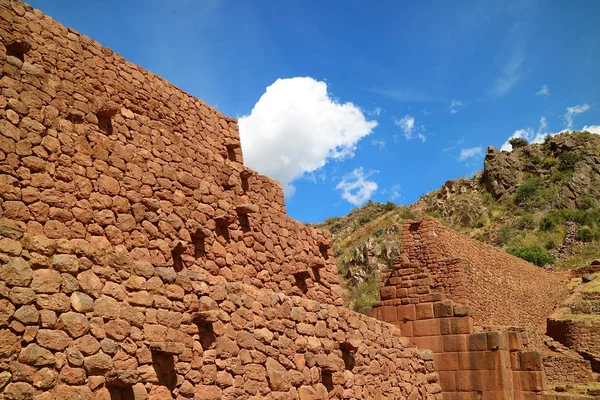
{"x":502,"y":290}
{"x":139,"y":258}
{"x":581,"y":335}
{"x":470,"y":365}
{"x":73,"y":324}
{"x":92,"y":147}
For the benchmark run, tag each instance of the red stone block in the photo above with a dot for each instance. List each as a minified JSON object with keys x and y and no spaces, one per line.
{"x":433,"y":343}
{"x":473,"y":360}
{"x":455,"y":342}
{"x":497,"y":340}
{"x":430,"y":297}
{"x":537,"y":381}
{"x":406,"y":328}
{"x":514,"y":342}
{"x":471,"y":381}
{"x":447,"y":362}
{"x":515,"y":363}
{"x":387,"y":292}
{"x":446,"y":326}
{"x":388,"y":314}
{"x":447,"y":381}
{"x":424,"y":310}
{"x":524,"y":381}
{"x":401,"y":293}
{"x":426,"y":327}
{"x":530,"y":361}
{"x":407,"y":312}
{"x":477,"y":341}
{"x":462,"y":325}
{"x":443,"y":308}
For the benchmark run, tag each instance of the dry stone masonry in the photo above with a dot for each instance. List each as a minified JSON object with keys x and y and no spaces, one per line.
{"x":140,"y":259}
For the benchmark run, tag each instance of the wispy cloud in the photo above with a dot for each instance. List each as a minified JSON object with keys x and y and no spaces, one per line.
{"x":407,"y":95}
{"x":356,"y":188}
{"x":544,"y":91}
{"x":409,"y":128}
{"x":511,"y":74}
{"x":454,"y":105}
{"x":572,"y":111}
{"x":378,"y":143}
{"x":472,"y":152}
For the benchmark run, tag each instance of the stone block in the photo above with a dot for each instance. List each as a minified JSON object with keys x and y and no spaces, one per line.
{"x":389,"y":313}
{"x":477,"y":341}
{"x":497,"y":340}
{"x":447,"y":362}
{"x":387,"y":292}
{"x":462,"y":325}
{"x":530,"y":361}
{"x":447,"y":381}
{"x":455,"y":342}
{"x":406,"y":312}
{"x":443,"y":308}
{"x":121,"y":378}
{"x":424,"y":310}
{"x":426,"y":327}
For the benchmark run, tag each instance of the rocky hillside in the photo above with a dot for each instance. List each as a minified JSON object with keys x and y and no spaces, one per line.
{"x":539,"y":202}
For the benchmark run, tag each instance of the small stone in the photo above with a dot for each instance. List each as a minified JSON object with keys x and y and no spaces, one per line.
{"x":166,"y":347}
{"x":97,"y":364}
{"x":45,"y":378}
{"x":122,"y":378}
{"x":53,"y":339}
{"x":588,"y":278}
{"x":16,"y":272}
{"x":72,"y":376}
{"x":74,"y":324}
{"x":28,"y":315}
{"x":46,"y":281}
{"x":36,"y":356}
{"x":6,"y":312}
{"x":19,"y":391}
{"x":81,"y":302}
{"x":106,"y":307}
{"x":65,"y":263}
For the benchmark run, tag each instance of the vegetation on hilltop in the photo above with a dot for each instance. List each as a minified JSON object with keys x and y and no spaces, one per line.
{"x":539,"y":202}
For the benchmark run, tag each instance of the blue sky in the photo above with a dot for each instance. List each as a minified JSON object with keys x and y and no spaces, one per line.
{"x":397,"y":97}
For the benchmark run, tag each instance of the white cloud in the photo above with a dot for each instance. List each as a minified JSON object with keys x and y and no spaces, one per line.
{"x":355,"y":187}
{"x":411,"y":131}
{"x":378,"y":143}
{"x":395,"y":192}
{"x":454,"y":104}
{"x":470,"y":153}
{"x":511,"y":74}
{"x":296,"y":127}
{"x":592,"y":129}
{"x":572,"y":111}
{"x":544,"y":91}
{"x":538,"y":136}
{"x":376,"y":111}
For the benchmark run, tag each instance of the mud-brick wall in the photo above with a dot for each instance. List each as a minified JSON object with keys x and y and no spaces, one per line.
{"x":501,"y":289}
{"x":75,"y":320}
{"x":92,"y":146}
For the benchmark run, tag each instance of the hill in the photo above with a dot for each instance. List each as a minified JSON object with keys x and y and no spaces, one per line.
{"x":539,"y":202}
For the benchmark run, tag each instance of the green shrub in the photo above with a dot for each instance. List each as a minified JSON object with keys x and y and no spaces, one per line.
{"x":548,"y":222}
{"x":586,"y":234}
{"x":379,"y":232}
{"x":363,"y":219}
{"x":567,"y":161}
{"x":534,"y":254}
{"x":525,"y":222}
{"x":530,"y":193}
{"x":518,"y":142}
{"x":550,"y":244}
{"x":365,"y":294}
{"x":487,"y":198}
{"x":549,"y":162}
{"x":505,"y":234}
{"x":587,"y":201}
{"x":389,"y":206}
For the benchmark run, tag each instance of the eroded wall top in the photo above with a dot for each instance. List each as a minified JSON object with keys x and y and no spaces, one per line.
{"x":93,"y":147}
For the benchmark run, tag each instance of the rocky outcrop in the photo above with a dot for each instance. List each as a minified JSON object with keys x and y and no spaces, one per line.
{"x":570,"y":158}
